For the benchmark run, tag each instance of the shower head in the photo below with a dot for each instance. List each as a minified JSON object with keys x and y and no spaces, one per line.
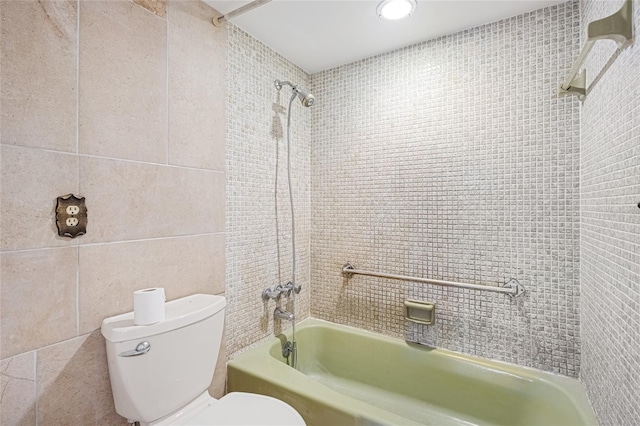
{"x":305,"y":97}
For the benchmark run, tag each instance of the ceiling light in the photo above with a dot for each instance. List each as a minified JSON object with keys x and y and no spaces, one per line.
{"x":396,"y":9}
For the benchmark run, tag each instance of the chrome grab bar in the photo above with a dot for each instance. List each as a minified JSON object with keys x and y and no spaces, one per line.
{"x":512,"y":288}
{"x":141,"y":349}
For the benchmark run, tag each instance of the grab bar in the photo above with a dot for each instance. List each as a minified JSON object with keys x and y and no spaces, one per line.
{"x":617,"y":27}
{"x":512,"y":288}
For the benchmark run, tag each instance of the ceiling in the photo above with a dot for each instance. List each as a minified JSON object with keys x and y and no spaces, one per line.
{"x":322,"y":34}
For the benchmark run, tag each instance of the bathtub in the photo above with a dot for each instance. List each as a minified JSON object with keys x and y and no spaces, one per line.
{"x":347,"y":376}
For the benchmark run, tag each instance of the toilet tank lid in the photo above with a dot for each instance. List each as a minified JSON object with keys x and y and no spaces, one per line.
{"x":178,"y":313}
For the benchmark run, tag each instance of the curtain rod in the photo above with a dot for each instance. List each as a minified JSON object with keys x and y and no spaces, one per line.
{"x":217,"y":21}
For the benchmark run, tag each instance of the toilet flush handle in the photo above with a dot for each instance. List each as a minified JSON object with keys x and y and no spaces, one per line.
{"x":141,"y":349}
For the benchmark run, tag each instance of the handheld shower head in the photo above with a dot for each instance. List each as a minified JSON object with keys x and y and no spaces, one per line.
{"x":305,"y":97}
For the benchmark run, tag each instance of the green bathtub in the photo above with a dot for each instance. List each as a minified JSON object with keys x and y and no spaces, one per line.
{"x":348,"y":376}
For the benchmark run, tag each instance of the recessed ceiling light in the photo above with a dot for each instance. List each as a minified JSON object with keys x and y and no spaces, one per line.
{"x":396,"y":9}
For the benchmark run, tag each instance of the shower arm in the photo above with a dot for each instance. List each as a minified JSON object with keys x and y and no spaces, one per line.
{"x":279,"y":84}
{"x":306,"y":98}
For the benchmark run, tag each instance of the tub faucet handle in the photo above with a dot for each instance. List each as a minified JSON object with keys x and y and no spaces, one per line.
{"x":290,"y":286}
{"x":272,"y":294}
{"x":286,"y":290}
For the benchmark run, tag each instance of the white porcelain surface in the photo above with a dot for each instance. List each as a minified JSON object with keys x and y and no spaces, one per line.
{"x":239,"y":408}
{"x":178,"y":313}
{"x":179,"y":365}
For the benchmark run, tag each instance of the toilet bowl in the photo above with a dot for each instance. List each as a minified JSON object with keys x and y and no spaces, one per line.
{"x":236,"y":408}
{"x":160,"y":373}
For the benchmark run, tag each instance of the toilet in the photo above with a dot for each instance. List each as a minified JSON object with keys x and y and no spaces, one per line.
{"x":160,"y":373}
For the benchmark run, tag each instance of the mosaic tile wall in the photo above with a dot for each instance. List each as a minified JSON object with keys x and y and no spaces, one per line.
{"x":455,"y":159}
{"x":258,"y":226}
{"x":106,"y":100}
{"x":610,"y":227}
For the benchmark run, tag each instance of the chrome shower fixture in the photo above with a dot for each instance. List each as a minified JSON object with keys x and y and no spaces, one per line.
{"x":280,"y":289}
{"x":305,"y":97}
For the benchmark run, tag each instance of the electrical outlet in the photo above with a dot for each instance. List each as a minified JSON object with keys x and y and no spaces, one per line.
{"x":73,"y":210}
{"x":71,"y":216}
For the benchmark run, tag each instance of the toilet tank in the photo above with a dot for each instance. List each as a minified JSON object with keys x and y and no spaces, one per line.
{"x":179,"y":365}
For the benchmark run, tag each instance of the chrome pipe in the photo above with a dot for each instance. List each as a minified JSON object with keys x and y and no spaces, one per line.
{"x":512,"y":288}
{"x":217,"y":21}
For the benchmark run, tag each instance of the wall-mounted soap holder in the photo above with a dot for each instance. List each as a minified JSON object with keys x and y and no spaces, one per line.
{"x":420,"y":312}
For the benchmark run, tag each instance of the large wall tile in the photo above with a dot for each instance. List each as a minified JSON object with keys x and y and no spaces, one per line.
{"x":31,"y":182}
{"x":219,"y":382}
{"x":38,"y":76}
{"x":18,"y":384}
{"x":91,"y":76}
{"x":123,"y":82}
{"x":110,"y":273}
{"x":134,"y":200}
{"x":38,"y":298}
{"x":191,"y":20}
{"x":197,"y":88}
{"x":73,"y":384}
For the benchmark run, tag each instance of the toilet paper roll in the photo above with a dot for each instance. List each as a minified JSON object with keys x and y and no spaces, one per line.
{"x":148,"y":306}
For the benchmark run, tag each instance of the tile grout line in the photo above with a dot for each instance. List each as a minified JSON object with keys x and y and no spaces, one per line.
{"x":100,"y":157}
{"x":166,"y":20}
{"x":35,"y":382}
{"x":78,"y":157}
{"x":169,"y":237}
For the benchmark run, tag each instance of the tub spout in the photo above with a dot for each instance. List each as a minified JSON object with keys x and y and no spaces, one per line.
{"x":283,"y":315}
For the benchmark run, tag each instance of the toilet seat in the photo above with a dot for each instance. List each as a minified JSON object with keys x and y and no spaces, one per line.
{"x":239,"y":408}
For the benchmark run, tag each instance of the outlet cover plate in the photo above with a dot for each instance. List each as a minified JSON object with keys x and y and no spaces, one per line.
{"x":71,"y":216}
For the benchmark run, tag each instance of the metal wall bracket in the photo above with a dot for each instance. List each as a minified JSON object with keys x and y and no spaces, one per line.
{"x":617,"y":27}
{"x":513,"y":283}
{"x":578,"y":86}
{"x":345,"y":269}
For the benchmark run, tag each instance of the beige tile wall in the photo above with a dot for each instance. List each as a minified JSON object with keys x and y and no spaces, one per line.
{"x":39,"y":42}
{"x":18,"y":376}
{"x":122,"y":80}
{"x":124,"y":106}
